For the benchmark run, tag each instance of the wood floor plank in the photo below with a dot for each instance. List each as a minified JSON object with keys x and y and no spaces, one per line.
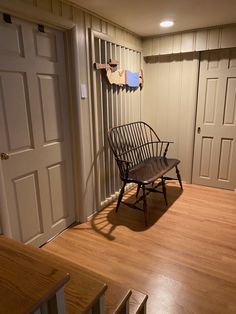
{"x":185,"y":260}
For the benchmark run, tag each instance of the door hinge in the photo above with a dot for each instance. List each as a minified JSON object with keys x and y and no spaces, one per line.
{"x":7,"y":18}
{"x":41,"y":28}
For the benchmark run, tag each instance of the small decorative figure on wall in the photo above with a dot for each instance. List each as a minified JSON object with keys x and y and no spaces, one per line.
{"x":121,"y":77}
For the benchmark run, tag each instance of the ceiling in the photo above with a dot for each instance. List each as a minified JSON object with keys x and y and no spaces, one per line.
{"x":143,"y":16}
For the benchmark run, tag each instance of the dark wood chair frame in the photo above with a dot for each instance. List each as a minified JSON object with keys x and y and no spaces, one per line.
{"x":141,"y":159}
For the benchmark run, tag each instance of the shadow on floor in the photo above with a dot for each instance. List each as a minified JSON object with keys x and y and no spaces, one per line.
{"x":107,"y":220}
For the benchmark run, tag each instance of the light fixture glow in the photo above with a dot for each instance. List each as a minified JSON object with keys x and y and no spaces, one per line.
{"x":166,"y":23}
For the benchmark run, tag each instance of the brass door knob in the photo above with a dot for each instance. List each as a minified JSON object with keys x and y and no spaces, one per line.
{"x":4,"y":156}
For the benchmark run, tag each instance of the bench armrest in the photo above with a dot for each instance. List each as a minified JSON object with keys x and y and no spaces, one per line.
{"x":124,"y":171}
{"x":164,"y":145}
{"x":124,"y":161}
{"x":166,"y":148}
{"x":167,"y":142}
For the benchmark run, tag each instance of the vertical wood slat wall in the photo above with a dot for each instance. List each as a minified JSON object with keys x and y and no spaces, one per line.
{"x":190,"y":41}
{"x":112,"y":106}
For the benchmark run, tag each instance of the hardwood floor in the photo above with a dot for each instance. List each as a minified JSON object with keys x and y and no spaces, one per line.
{"x":185,"y":260}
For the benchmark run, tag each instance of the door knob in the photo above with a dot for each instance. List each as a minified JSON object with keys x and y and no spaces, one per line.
{"x":4,"y":156}
{"x":199,"y":130}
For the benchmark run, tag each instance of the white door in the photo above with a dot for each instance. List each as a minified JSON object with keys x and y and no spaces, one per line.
{"x":215,"y":140}
{"x":34,"y":128}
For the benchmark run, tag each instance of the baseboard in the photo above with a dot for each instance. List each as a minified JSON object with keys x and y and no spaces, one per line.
{"x":109,"y":200}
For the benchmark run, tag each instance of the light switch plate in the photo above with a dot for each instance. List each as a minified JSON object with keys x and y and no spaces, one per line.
{"x":83,"y":88}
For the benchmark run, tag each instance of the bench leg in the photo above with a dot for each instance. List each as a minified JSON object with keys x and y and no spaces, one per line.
{"x":120,"y":196}
{"x":138,"y":189}
{"x":145,"y":205}
{"x":164,"y":189}
{"x":179,"y":177}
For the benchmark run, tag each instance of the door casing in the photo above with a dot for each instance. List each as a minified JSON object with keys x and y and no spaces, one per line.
{"x":215,"y":138}
{"x":67,"y":27}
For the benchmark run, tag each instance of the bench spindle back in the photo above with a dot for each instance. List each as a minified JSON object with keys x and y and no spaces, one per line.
{"x":133,"y":142}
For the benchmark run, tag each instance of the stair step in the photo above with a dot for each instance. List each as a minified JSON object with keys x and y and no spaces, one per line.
{"x":83,"y":292}
{"x":85,"y":289}
{"x":117,"y":298}
{"x":137,"y":302}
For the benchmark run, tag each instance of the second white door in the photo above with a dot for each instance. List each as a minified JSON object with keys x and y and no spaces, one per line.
{"x":215,"y":140}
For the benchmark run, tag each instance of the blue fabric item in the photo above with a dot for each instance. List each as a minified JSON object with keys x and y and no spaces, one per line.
{"x":132,"y":79}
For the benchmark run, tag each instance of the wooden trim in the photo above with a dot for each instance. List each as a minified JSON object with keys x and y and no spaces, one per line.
{"x":71,"y":73}
{"x":111,"y":39}
{"x":36,"y":15}
{"x":109,"y":200}
{"x":5,"y":227}
{"x":94,"y":103}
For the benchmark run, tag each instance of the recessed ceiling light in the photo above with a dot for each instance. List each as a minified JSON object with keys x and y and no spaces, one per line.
{"x":166,"y":23}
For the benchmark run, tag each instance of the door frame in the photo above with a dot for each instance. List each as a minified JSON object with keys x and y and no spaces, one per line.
{"x":22,"y":11}
{"x":195,"y":118}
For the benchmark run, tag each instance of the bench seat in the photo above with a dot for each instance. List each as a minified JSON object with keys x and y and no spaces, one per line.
{"x":151,"y":169}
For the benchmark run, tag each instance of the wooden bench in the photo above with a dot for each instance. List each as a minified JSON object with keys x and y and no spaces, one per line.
{"x":141,"y":158}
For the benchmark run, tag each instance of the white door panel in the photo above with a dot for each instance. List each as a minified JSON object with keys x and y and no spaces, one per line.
{"x":34,"y":126}
{"x":215,"y":143}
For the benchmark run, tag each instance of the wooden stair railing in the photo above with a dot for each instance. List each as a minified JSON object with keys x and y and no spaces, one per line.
{"x":82,"y":293}
{"x":138,"y":302}
{"x":29,"y":284}
{"x":120,"y":300}
{"x":86,"y":292}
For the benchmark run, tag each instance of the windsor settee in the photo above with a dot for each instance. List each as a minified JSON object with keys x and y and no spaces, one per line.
{"x":141,"y":159}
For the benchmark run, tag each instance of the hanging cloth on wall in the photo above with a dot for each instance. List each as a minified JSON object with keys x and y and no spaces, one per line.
{"x":132,"y":79}
{"x":117,"y":77}
{"x":121,"y":77}
{"x":141,"y":78}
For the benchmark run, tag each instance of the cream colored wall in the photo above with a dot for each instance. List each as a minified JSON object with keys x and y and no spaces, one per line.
{"x":62,"y":15}
{"x":169,"y":103}
{"x":171,"y":78}
{"x":169,"y":94}
{"x":198,"y":40}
